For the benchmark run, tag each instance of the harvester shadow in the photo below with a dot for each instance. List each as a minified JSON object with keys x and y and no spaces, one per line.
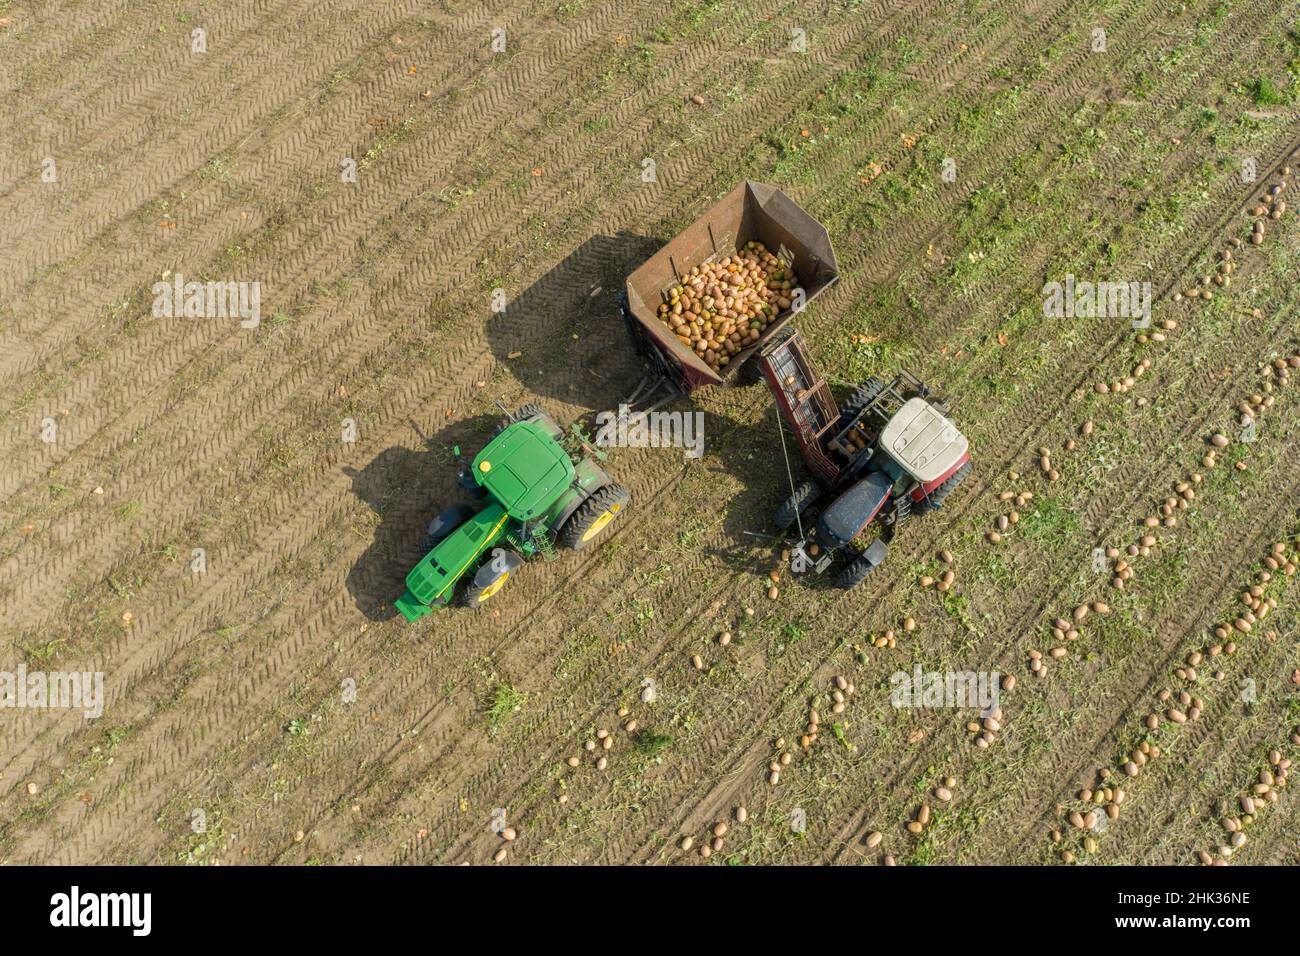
{"x":587,"y":357}
{"x":754,"y":455}
{"x":406,"y":488}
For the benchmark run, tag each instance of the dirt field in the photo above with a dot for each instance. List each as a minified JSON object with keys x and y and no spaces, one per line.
{"x":275,"y":693}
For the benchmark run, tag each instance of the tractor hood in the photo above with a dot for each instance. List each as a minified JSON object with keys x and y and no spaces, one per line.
{"x":524,"y":469}
{"x":922,"y":441}
{"x":432,"y":580}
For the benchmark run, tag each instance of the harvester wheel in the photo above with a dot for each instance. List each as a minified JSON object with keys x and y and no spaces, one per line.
{"x":592,"y":517}
{"x":796,"y":504}
{"x":866,"y":394}
{"x":854,"y":573}
{"x":902,"y":510}
{"x":935,"y":498}
{"x":751,"y":372}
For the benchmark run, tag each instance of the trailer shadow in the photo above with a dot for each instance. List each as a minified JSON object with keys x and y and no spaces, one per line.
{"x":562,"y":338}
{"x":405,"y":488}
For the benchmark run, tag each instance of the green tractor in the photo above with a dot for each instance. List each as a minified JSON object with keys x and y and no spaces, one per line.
{"x":542,"y":487}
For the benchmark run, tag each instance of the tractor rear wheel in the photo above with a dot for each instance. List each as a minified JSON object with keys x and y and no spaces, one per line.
{"x":864,"y":395}
{"x":854,"y":573}
{"x":593,"y":516}
{"x":522,"y":412}
{"x":935,"y":498}
{"x":796,"y":504}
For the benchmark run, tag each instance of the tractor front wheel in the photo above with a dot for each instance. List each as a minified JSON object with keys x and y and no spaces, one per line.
{"x":593,"y":516}
{"x":935,"y":498}
{"x":796,"y":504}
{"x":854,"y":573}
{"x":492,"y":576}
{"x":475,"y":595}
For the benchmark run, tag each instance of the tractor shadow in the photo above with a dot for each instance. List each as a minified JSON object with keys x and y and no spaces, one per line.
{"x":406,"y":488}
{"x":565,"y":333}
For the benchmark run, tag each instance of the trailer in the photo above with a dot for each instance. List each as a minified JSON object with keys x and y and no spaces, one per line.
{"x":752,"y":212}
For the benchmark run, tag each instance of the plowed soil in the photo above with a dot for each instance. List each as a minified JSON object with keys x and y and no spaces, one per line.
{"x":276,"y":692}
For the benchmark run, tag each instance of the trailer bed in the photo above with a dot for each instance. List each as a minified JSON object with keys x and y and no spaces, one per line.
{"x":750,"y":212}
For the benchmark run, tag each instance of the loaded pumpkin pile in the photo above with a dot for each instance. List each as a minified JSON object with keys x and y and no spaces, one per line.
{"x":721,"y":307}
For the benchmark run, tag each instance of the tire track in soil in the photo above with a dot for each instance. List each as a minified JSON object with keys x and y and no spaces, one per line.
{"x":71,"y":115}
{"x":593,"y":27}
{"x":1040,"y":611}
{"x":1213,"y":756}
{"x":171,"y":156}
{"x":63,"y":31}
{"x":1016,"y":657}
{"x":1220,"y":400}
{"x":1216,"y":756}
{"x":221,"y":695}
{"x":1201,"y":743}
{"x":1147,"y":480}
{"x":1175,"y":632}
{"x":131,"y":432}
{"x":922,"y":757}
{"x":590,"y":27}
{"x":40,"y":102}
{"x":675,"y":73}
{"x":347,"y":124}
{"x":1284,"y":850}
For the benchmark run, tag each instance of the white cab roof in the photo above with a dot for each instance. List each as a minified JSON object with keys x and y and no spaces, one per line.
{"x":921,"y":440}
